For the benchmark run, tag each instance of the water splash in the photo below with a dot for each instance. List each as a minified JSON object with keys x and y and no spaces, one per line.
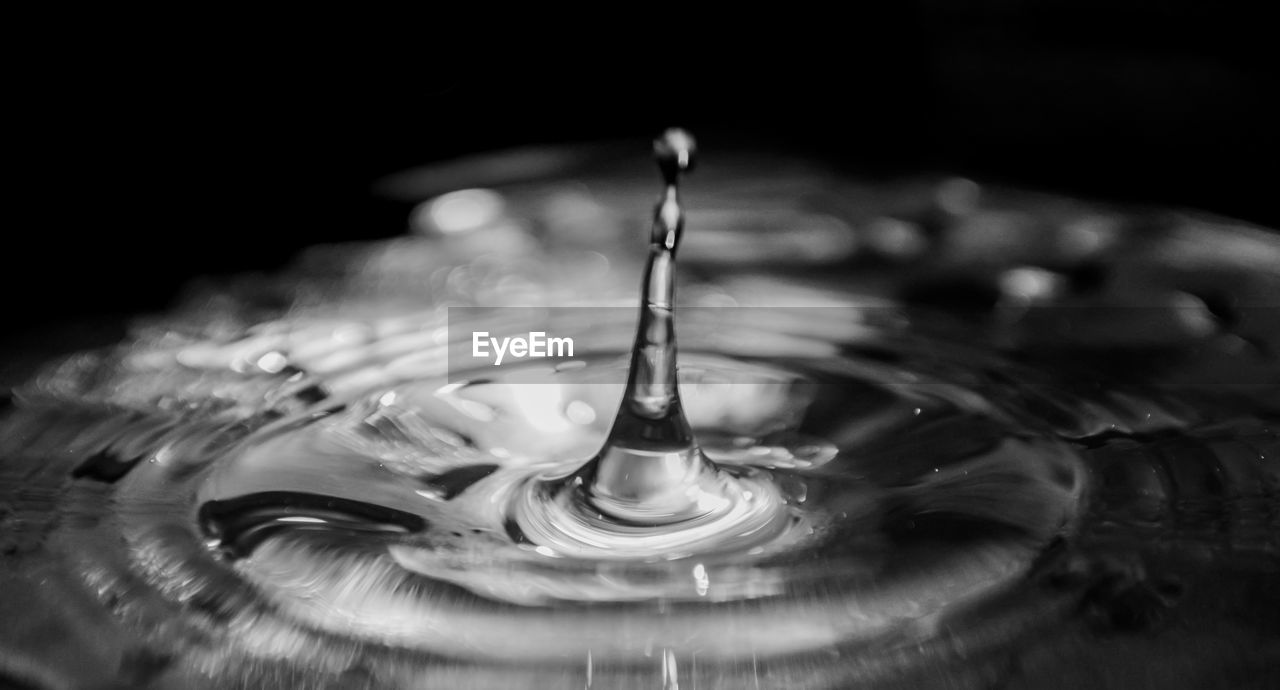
{"x":651,"y":470}
{"x":651,"y":491}
{"x":973,"y":478}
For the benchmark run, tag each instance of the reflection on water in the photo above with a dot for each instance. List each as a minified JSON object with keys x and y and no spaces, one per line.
{"x":1012,"y":441}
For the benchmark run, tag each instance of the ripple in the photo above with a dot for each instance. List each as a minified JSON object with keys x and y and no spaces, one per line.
{"x":315,"y":497}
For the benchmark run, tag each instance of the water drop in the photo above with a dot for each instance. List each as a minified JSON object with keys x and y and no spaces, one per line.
{"x":965,"y":446}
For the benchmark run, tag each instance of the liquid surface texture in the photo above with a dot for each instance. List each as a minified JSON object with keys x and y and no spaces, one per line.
{"x":925,"y":434}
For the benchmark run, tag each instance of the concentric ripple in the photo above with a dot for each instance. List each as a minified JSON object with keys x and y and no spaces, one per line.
{"x":405,"y":514}
{"x":964,"y":467}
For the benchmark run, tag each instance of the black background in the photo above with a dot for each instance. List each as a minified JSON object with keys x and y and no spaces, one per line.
{"x":149,"y":157}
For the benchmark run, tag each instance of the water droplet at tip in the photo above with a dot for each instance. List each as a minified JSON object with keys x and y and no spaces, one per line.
{"x":676,"y":151}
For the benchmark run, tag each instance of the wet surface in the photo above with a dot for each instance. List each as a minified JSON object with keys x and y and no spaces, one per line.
{"x":998,"y":439}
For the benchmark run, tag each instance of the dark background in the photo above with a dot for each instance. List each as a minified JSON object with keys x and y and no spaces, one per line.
{"x":148,"y":161}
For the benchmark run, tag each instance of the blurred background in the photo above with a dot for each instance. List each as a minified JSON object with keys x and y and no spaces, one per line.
{"x":150,"y":157}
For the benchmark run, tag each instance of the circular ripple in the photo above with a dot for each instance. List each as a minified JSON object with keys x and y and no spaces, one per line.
{"x":972,"y":478}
